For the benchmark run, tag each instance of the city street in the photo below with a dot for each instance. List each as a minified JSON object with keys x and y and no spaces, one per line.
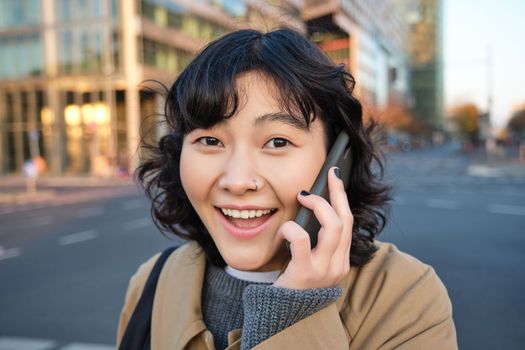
{"x":471,"y":230}
{"x":65,"y":265}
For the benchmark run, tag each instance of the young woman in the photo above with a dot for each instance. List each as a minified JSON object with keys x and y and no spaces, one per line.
{"x":252,"y":118}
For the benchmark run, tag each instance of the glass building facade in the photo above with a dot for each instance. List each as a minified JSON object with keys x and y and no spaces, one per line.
{"x":370,"y":40}
{"x":54,"y":87}
{"x":425,"y":18}
{"x":72,"y":73}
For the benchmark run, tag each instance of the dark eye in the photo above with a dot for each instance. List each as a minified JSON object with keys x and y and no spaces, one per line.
{"x":277,"y":143}
{"x":209,"y":141}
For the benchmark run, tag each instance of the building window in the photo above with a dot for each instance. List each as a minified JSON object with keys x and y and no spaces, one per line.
{"x":174,"y":16}
{"x":164,"y":57}
{"x":21,"y":56}
{"x":66,"y":51}
{"x":19,"y":13}
{"x":115,"y":12}
{"x":69,"y":10}
{"x":4,"y":57}
{"x":175,"y":19}
{"x":115,"y":48}
{"x":236,"y":8}
{"x":86,"y":55}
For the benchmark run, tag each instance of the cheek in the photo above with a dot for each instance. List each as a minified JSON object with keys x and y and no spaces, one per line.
{"x":193,"y":177}
{"x":295,"y":175}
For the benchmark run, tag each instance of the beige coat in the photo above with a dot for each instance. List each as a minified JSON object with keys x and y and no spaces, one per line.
{"x":393,"y":302}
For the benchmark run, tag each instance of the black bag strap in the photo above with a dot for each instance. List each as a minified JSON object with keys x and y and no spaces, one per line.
{"x":138,"y":332}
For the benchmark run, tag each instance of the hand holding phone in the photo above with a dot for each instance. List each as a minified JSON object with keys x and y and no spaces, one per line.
{"x":329,"y":262}
{"x":340,"y":157}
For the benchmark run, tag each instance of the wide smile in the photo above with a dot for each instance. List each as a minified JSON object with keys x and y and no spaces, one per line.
{"x":245,"y":223}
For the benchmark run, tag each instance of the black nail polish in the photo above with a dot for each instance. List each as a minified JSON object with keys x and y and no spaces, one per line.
{"x":337,"y":172}
{"x":305,"y":193}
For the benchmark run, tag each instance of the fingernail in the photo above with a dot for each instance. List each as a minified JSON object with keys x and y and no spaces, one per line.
{"x":305,"y":193}
{"x":337,"y":172}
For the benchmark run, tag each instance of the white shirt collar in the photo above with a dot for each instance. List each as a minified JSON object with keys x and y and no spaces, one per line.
{"x":251,"y":276}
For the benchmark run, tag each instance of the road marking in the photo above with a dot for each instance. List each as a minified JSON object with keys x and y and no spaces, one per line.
{"x":442,"y":203}
{"x":139,"y":223}
{"x":9,"y":253}
{"x":89,"y":212}
{"x":78,"y":237}
{"x":83,"y":346}
{"x":483,"y":171}
{"x":38,"y":221}
{"x":506,"y":209}
{"x":13,"y":343}
{"x":133,"y":204}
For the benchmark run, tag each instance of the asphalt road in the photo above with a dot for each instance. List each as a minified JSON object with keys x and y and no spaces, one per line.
{"x":64,"y":268}
{"x":472,"y":231}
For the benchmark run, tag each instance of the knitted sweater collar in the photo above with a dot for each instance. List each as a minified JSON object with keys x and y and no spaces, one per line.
{"x":220,"y":282}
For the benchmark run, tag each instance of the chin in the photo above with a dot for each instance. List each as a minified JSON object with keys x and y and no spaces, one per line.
{"x":248,"y":263}
{"x":246,"y":260}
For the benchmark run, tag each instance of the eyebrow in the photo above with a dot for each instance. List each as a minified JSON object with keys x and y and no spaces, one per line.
{"x":280,"y":117}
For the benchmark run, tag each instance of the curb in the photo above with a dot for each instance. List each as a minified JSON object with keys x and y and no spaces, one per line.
{"x":26,"y":197}
{"x":66,"y":181}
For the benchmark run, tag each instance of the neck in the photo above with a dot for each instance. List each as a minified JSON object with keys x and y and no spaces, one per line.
{"x":254,"y":276}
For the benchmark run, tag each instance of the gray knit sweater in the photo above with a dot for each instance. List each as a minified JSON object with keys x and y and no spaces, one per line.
{"x":260,"y":309}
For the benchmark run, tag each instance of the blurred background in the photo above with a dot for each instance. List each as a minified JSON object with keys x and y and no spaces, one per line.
{"x":444,"y":78}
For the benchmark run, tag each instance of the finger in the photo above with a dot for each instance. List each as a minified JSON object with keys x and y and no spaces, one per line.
{"x":339,"y":201}
{"x":338,"y":196}
{"x":300,"y":247}
{"x":341,"y":257}
{"x":331,"y":226}
{"x":347,"y":253}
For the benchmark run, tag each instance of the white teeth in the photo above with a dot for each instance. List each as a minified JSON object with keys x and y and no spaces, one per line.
{"x":245,"y":214}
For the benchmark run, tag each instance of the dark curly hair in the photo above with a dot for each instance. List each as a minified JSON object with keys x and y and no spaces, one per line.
{"x":310,"y":86}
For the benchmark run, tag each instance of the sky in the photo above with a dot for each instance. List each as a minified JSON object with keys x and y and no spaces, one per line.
{"x":484,"y":40}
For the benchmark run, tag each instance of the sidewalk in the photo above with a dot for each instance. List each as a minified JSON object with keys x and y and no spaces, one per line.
{"x":64,"y":181}
{"x":496,"y":165}
{"x":13,"y":189}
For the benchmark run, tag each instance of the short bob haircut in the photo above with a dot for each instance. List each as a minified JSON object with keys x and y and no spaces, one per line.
{"x":310,"y":86}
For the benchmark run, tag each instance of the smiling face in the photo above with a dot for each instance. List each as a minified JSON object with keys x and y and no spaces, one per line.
{"x":260,"y":146}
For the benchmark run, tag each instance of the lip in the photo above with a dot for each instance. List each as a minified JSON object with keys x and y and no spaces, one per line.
{"x":242,"y":207}
{"x":242,"y":232}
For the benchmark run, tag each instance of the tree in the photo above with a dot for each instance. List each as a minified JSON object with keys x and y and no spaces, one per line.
{"x":466,"y":119}
{"x":516,"y":124}
{"x":397,"y":117}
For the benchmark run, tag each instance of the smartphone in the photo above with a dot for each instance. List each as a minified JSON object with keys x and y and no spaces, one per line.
{"x":339,"y":156}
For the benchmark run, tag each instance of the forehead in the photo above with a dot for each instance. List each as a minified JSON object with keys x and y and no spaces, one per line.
{"x":261,"y":103}
{"x":256,"y":88}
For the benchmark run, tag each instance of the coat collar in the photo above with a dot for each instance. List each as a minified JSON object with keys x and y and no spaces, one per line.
{"x":177,"y":313}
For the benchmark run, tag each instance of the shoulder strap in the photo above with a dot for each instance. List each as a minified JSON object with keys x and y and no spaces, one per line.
{"x":138,"y":331}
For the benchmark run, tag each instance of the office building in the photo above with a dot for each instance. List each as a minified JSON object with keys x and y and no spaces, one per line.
{"x":370,"y":39}
{"x":425,"y":21}
{"x":73,"y":73}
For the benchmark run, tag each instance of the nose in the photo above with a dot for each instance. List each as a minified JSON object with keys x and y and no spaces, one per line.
{"x":239,"y":175}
